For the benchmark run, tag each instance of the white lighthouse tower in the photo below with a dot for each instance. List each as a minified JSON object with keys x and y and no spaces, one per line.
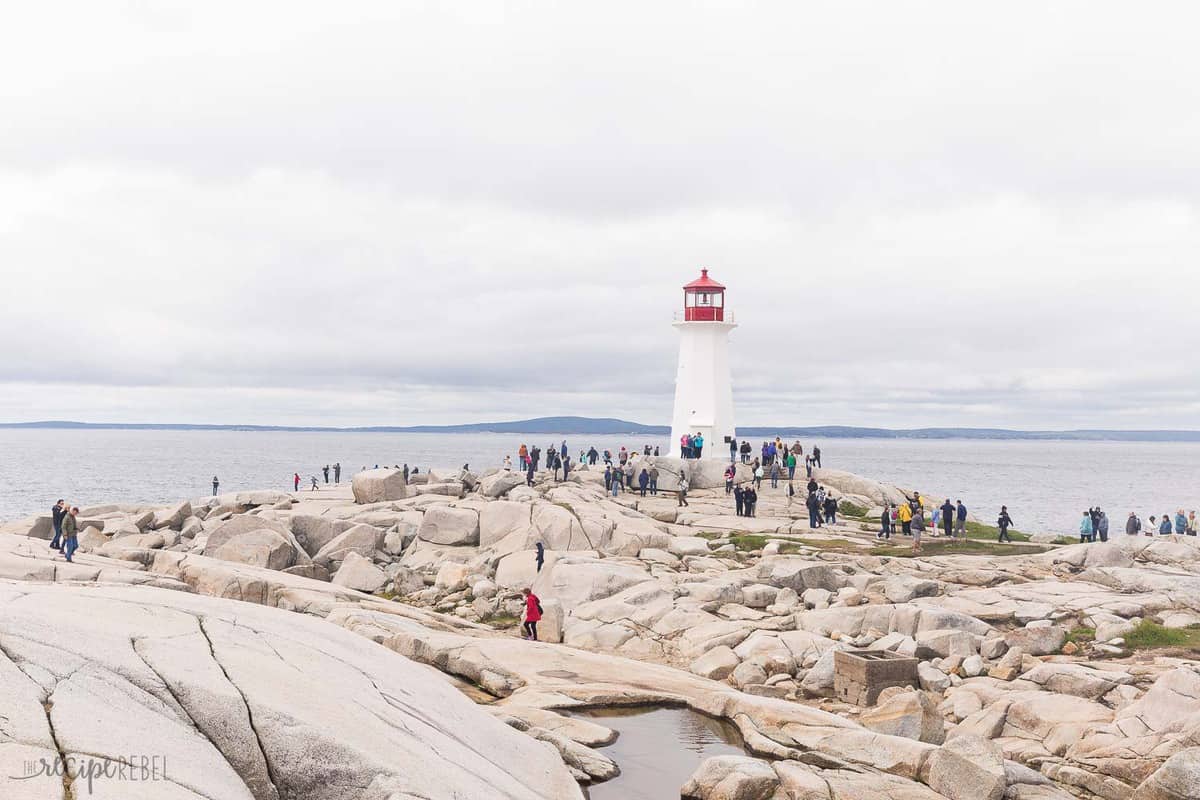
{"x":703,"y":390}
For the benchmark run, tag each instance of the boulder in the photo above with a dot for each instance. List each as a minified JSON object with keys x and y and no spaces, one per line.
{"x":257,"y":548}
{"x":502,"y":518}
{"x":173,"y":516}
{"x":312,"y":532}
{"x":500,"y":483}
{"x":357,"y":572}
{"x":1177,"y":779}
{"x":910,"y":714}
{"x":1037,"y":641}
{"x":717,"y":664}
{"x":550,"y":628}
{"x":966,"y":768}
{"x":379,"y":486}
{"x":731,"y":778}
{"x":362,"y":539}
{"x":903,"y":588}
{"x":239,"y":700}
{"x":449,"y":526}
{"x":687,"y":546}
{"x":452,"y":577}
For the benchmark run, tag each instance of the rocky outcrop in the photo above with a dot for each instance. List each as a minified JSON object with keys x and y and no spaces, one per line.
{"x":379,"y":485}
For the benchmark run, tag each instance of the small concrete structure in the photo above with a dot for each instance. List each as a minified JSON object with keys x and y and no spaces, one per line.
{"x":860,"y":675}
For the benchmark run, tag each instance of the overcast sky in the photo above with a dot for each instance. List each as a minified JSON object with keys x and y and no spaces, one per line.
{"x":401,"y":212}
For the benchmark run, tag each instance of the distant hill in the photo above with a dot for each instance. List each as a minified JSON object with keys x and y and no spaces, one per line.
{"x":613,"y":427}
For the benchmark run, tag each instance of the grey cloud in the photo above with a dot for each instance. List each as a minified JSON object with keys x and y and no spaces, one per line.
{"x":440,"y":213}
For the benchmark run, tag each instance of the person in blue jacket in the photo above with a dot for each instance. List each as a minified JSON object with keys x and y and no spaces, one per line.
{"x":1164,"y":527}
{"x":1180,"y":522}
{"x":1085,"y":527}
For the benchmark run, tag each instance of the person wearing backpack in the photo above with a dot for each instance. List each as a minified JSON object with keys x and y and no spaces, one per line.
{"x":533,"y":614}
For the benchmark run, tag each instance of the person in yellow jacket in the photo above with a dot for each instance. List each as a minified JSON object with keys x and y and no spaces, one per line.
{"x":905,"y":516}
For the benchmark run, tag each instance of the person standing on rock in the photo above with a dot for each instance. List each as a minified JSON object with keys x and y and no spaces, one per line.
{"x":817,"y":457}
{"x":1003,"y":522}
{"x":406,"y":473}
{"x":745,"y":450}
{"x":739,"y":500}
{"x":905,"y":516}
{"x":70,"y":532}
{"x":314,"y":483}
{"x":325,"y":469}
{"x":295,"y":481}
{"x":57,"y":512}
{"x":733,"y":449}
{"x":948,"y":514}
{"x":337,"y":472}
{"x":831,"y":508}
{"x":960,"y":520}
{"x":608,"y":476}
{"x":1085,"y":528}
{"x":1133,"y":525}
{"x":758,"y":476}
{"x":730,"y":474}
{"x":216,"y":485}
{"x":643,"y":481}
{"x":1180,"y":522}
{"x":1102,"y":525}
{"x":563,"y":453}
{"x":540,"y":557}
{"x":566,"y":467}
{"x":814,"y":510}
{"x":529,"y":474}
{"x":750,"y":502}
{"x":697,"y":445}
{"x":617,"y":480}
{"x":681,"y":491}
{"x":1191,"y":524}
{"x":1164,"y":527}
{"x":653,"y":472}
{"x":885,"y":523}
{"x":533,"y":614}
{"x":790,"y":460}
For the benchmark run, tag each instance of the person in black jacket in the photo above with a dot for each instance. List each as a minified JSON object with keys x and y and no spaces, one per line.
{"x":1003,"y":522}
{"x":57,"y":512}
{"x":739,"y":500}
{"x":831,"y":507}
{"x":749,"y":501}
{"x":948,"y":513}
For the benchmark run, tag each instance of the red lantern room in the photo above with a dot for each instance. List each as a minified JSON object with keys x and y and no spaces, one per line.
{"x":704,"y":300}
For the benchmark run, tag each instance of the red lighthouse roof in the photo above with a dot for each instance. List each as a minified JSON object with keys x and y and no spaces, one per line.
{"x":704,"y":282}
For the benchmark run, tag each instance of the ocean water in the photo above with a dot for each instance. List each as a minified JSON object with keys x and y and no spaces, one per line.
{"x":1046,"y":484}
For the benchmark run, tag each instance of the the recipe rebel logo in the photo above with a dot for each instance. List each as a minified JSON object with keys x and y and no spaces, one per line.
{"x":86,"y":771}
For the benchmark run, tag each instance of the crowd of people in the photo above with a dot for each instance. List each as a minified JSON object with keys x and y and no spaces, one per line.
{"x":1095,"y":525}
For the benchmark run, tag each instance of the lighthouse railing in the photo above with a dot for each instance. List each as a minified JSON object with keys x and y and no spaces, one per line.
{"x":679,"y":316}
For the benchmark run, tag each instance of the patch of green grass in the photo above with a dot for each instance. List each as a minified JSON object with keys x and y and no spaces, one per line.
{"x":1081,"y":635}
{"x":1064,"y":540}
{"x":934,"y":547}
{"x":749,"y":541}
{"x":1150,"y":634}
{"x":710,"y":535}
{"x":501,"y":621}
{"x":848,"y":509}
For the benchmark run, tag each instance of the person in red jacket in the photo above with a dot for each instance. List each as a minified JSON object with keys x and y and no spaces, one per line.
{"x":296,"y":482}
{"x":533,"y":613}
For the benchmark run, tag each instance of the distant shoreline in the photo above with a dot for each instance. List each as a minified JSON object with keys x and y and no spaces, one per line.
{"x":576,"y":426}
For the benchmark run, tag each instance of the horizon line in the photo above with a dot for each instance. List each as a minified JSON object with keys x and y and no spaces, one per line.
{"x":612,"y":421}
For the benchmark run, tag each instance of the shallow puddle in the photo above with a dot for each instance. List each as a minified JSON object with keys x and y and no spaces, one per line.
{"x":658,"y":749}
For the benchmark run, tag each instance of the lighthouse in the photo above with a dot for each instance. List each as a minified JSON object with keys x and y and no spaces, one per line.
{"x":703,"y":390}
